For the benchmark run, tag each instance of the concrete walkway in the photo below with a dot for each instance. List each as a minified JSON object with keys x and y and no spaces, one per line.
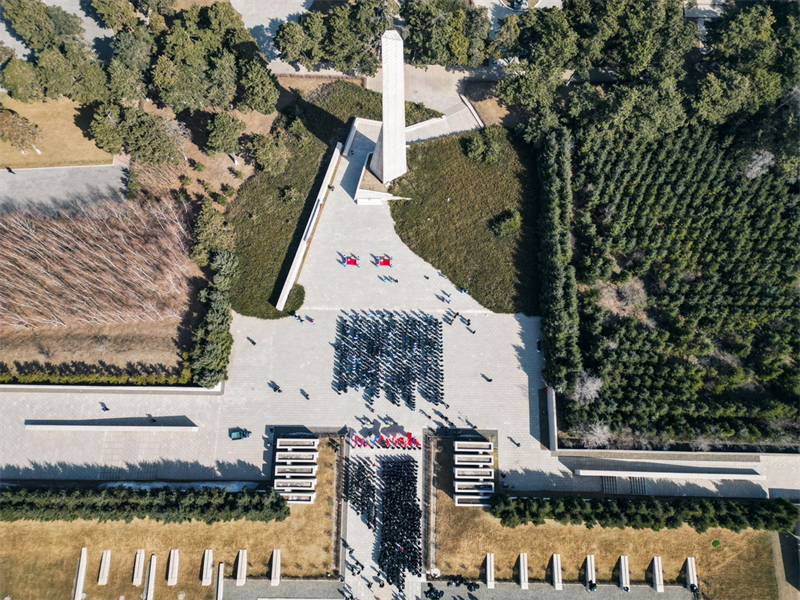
{"x":60,"y":188}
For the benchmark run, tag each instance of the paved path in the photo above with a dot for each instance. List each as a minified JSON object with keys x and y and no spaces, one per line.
{"x":543,"y":591}
{"x":50,"y":189}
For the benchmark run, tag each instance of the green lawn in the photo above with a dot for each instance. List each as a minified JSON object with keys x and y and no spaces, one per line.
{"x":266,"y":228}
{"x":455,"y":201}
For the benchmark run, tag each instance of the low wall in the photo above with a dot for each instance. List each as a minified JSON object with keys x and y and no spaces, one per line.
{"x":294,"y":271}
{"x":217,"y":390}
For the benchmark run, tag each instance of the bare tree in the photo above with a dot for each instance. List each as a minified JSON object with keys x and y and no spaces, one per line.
{"x":587,"y":389}
{"x":595,"y":435}
{"x":116,"y":263}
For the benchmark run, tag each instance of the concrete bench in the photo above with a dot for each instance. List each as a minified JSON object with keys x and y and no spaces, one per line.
{"x":472,"y":500}
{"x":482,"y":447}
{"x":590,"y":579}
{"x":296,"y":470}
{"x":241,"y":568}
{"x":624,"y":574}
{"x":172,"y":567}
{"x":298,"y":497}
{"x":150,"y":581}
{"x":474,"y":459}
{"x":220,"y":581}
{"x":105,"y":565}
{"x":490,"y":570}
{"x":80,"y":577}
{"x":557,"y":583}
{"x":300,"y":485}
{"x":303,"y":443}
{"x":207,"y":568}
{"x":691,"y":575}
{"x":523,"y":570}
{"x":475,"y":487}
{"x":474,"y":473}
{"x":658,"y":575}
{"x":138,"y":568}
{"x":275,"y":575}
{"x":296,"y":457}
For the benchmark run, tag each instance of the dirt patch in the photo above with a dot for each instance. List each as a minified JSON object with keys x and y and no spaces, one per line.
{"x":626,"y":300}
{"x":489,"y":107}
{"x":149,"y":343}
{"x":61,"y":140}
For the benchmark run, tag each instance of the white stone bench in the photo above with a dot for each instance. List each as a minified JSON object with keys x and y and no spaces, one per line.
{"x":172,"y":567}
{"x":658,"y":575}
{"x":220,"y":581}
{"x":138,"y":568}
{"x":523,"y":570}
{"x":208,"y":567}
{"x":150,"y":581}
{"x":474,"y":473}
{"x":475,"y":487}
{"x":275,"y":575}
{"x":473,"y":447}
{"x":80,"y":577}
{"x":296,"y":457}
{"x":691,"y":573}
{"x":298,"y":497}
{"x":557,"y":582}
{"x":105,"y":565}
{"x":301,"y":443}
{"x":472,"y":500}
{"x":296,"y":470}
{"x":590,"y":575}
{"x":300,"y":485}
{"x":624,"y":574}
{"x":490,"y":570}
{"x":474,"y":459}
{"x":241,"y":568}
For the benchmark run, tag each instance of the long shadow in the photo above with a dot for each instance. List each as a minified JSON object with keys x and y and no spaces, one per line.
{"x":791,"y":567}
{"x":526,"y":298}
{"x":160,"y":470}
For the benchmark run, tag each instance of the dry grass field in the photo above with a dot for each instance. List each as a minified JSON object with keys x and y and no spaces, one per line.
{"x":39,"y":560}
{"x":61,"y":141}
{"x":740,"y":568}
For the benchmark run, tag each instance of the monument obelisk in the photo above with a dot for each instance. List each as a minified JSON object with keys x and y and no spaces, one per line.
{"x":389,"y":160}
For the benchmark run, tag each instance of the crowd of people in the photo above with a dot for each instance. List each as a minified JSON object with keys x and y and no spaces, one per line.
{"x":359,"y":489}
{"x":401,"y":531}
{"x":397,"y":354}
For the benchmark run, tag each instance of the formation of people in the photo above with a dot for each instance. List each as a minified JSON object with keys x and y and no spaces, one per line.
{"x":397,"y":354}
{"x":360,"y":490}
{"x":401,"y":529}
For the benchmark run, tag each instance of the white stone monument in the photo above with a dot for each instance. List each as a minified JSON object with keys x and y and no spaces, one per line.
{"x":389,"y":160}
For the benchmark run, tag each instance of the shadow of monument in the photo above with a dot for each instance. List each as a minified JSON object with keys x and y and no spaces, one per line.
{"x":144,"y":422}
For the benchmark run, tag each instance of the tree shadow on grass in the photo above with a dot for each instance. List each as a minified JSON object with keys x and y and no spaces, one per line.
{"x":526,"y":262}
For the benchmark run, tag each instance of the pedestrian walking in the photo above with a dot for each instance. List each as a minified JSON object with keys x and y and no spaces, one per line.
{"x":446,"y":405}
{"x":104,"y":407}
{"x":469,"y":322}
{"x":310,"y":320}
{"x":251,"y":340}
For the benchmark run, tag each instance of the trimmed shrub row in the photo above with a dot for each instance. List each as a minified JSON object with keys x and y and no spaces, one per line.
{"x":164,"y":505}
{"x":648,"y":513}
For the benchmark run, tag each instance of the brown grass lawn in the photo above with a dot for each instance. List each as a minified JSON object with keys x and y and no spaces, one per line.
{"x":149,"y":343}
{"x":61,"y":141}
{"x":740,"y":568}
{"x":38,"y":560}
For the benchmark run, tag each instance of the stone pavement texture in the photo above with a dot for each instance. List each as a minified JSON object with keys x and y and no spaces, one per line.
{"x":98,"y":37}
{"x":543,"y":591}
{"x":51,"y":189}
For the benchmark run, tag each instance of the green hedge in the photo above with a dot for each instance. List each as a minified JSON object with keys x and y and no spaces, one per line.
{"x":79,"y":373}
{"x":648,"y":513}
{"x":558,"y":297}
{"x":164,"y":505}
